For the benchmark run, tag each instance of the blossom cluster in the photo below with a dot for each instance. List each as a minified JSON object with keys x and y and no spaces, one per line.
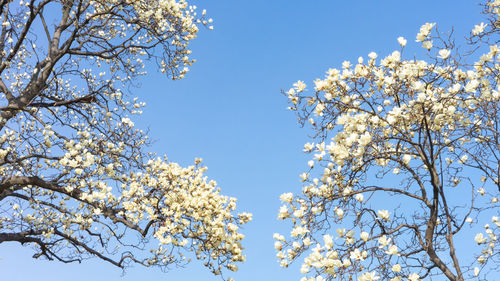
{"x":76,"y":175}
{"x":429,"y":124}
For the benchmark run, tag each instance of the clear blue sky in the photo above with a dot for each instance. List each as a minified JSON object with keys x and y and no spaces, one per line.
{"x":229,"y":111}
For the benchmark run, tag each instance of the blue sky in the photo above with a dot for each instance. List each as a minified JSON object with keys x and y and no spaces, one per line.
{"x":229,"y":111}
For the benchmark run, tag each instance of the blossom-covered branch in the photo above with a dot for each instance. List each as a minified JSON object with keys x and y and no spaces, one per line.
{"x":76,"y":181}
{"x":405,"y":164}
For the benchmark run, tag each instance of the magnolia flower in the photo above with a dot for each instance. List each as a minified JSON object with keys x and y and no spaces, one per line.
{"x":283,"y":212}
{"x":356,"y":255}
{"x":406,"y":158}
{"x":476,"y":271}
{"x":427,"y":44}
{"x":339,"y":212}
{"x":127,"y":122}
{"x":340,"y":232}
{"x":298,"y":231}
{"x":279,"y":237}
{"x":384,"y":214}
{"x":298,"y":213}
{"x":420,"y":37}
{"x":319,"y":109}
{"x":463,"y":159}
{"x":390,"y":119}
{"x":359,"y":197}
{"x":364,"y":235}
{"x":347,"y":191}
{"x":480,"y":239}
{"x":413,"y":277}
{"x":424,"y":31}
{"x":328,"y":241}
{"x":372,"y":55}
{"x":306,"y":241}
{"x":365,"y":139}
{"x":396,"y":268}
{"x":308,"y":147}
{"x":444,"y":53}
{"x":299,"y":86}
{"x":471,"y":86}
{"x":478,"y":28}
{"x":383,"y":241}
{"x":286,"y":197}
{"x":393,"y":250}
{"x":481,"y":191}
{"x":368,"y":276}
{"x":426,"y":28}
{"x":402,"y":41}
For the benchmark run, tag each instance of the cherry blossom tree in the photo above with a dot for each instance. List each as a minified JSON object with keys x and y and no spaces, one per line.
{"x":403,"y":183}
{"x":76,"y":181}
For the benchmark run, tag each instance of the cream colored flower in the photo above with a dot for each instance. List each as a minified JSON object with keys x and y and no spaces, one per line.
{"x":413,"y":277}
{"x":479,"y":28}
{"x":480,"y":239}
{"x":427,"y":44}
{"x":383,"y":241}
{"x":359,"y":197}
{"x":396,"y":268}
{"x":444,"y":53}
{"x":402,"y":41}
{"x":384,"y":214}
{"x":364,"y":236}
{"x":406,"y":159}
{"x":368,"y":276}
{"x":393,"y":250}
{"x":286,"y":197}
{"x":476,"y":271}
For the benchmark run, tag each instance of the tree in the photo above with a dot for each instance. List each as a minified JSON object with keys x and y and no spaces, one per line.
{"x":405,"y":165}
{"x":76,"y":180}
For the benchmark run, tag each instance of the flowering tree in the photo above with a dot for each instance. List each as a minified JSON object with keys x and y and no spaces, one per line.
{"x":405,"y":165}
{"x":76,"y":181}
